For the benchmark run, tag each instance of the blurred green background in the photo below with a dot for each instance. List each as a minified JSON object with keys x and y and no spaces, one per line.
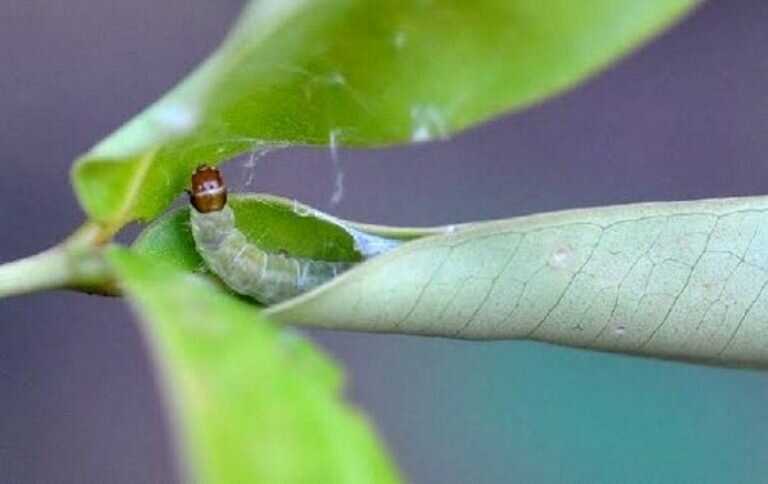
{"x":683,"y":118}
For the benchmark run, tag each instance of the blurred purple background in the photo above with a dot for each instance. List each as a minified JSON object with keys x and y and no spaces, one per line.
{"x":684,"y":118}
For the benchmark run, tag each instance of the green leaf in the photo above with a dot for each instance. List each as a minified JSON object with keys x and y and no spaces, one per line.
{"x":357,"y":73}
{"x":251,"y":402}
{"x":683,"y":280}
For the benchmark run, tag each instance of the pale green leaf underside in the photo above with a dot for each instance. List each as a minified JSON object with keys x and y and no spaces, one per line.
{"x":251,"y":402}
{"x":683,"y":280}
{"x":359,"y":73}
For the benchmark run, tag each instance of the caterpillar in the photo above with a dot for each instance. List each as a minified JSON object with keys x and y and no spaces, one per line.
{"x":268,"y":277}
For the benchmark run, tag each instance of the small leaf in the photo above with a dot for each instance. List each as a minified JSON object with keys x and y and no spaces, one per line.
{"x":251,"y":402}
{"x":278,"y":224}
{"x":357,"y":73}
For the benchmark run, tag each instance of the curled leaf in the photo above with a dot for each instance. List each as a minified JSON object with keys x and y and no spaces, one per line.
{"x":683,"y":280}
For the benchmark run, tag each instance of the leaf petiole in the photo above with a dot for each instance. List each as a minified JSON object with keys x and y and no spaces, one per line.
{"x":77,"y":264}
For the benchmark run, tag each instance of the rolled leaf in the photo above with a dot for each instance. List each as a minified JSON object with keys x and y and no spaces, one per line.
{"x":682,"y":280}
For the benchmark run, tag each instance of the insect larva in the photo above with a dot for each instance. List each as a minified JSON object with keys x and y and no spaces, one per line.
{"x":247,"y":269}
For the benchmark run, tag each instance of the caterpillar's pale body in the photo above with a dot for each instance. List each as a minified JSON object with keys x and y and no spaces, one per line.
{"x":247,"y":269}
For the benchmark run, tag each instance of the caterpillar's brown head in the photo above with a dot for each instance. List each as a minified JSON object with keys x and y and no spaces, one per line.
{"x":208,"y":193}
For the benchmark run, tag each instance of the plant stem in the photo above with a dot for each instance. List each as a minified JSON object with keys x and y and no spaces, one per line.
{"x":66,"y":266}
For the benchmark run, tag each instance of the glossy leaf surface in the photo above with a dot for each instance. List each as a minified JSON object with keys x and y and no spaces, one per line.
{"x":358,"y":73}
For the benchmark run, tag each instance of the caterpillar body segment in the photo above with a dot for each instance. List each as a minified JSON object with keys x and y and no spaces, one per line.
{"x":247,"y":269}
{"x":265,"y":276}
